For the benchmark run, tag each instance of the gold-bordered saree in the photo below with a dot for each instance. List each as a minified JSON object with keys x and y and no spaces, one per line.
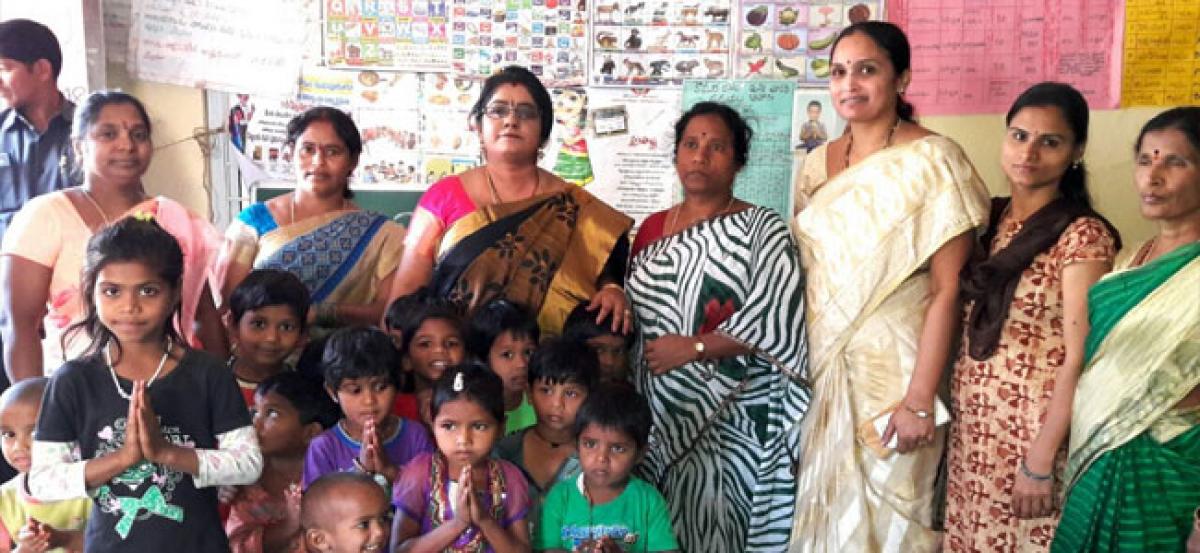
{"x":866,"y":237}
{"x":1133,"y":468}
{"x":545,"y":253}
{"x":341,"y":256}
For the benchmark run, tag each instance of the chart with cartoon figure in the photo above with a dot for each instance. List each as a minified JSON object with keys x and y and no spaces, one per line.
{"x":546,"y":36}
{"x":785,"y":39}
{"x":408,"y":35}
{"x":659,"y":42}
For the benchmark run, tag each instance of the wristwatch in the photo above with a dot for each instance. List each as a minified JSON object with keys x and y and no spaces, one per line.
{"x":700,"y":348}
{"x":920,"y":413}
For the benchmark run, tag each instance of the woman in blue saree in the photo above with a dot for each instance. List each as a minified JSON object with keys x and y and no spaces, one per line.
{"x":344,"y":255}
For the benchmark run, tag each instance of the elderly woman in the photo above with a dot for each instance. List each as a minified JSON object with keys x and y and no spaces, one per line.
{"x":1134,"y":463}
{"x":44,"y":247}
{"x":718,"y":294}
{"x":344,"y":255}
{"x":509,"y":229}
{"x":885,"y":226}
{"x":1026,"y":304}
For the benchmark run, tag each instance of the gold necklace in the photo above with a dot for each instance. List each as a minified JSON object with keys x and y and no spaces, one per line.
{"x":496,"y":194}
{"x":678,"y":208}
{"x":886,"y":144}
{"x":96,"y":205}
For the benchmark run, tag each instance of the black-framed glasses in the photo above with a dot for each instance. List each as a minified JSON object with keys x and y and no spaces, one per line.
{"x":502,"y":111}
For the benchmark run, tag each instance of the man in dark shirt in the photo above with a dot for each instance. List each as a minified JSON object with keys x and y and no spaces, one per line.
{"x":35,"y":128}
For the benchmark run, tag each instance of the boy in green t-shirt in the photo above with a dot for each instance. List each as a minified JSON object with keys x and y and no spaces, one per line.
{"x":605,"y":510}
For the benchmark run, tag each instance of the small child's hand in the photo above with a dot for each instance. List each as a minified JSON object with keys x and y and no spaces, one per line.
{"x":34,"y":537}
{"x":607,"y":545}
{"x":478,"y":512}
{"x":368,"y":453}
{"x":291,"y":498}
{"x":131,"y":450}
{"x":153,"y":444}
{"x":462,"y":501}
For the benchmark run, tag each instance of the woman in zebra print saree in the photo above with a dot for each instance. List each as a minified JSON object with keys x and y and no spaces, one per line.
{"x":717,"y":290}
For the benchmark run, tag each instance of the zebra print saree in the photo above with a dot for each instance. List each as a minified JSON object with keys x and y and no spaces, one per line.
{"x":725,"y":438}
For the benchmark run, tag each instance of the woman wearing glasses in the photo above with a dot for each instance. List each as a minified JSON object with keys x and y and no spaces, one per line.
{"x":344,"y":255}
{"x":510,"y":229}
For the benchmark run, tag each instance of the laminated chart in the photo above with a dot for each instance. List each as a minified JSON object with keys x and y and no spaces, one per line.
{"x":546,"y":36}
{"x":977,"y":57}
{"x":767,"y":106}
{"x":401,"y":35}
{"x":1162,"y":53}
{"x":785,"y":39}
{"x":660,"y":42}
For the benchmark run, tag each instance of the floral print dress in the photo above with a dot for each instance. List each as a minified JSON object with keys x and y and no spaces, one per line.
{"x":999,"y":404}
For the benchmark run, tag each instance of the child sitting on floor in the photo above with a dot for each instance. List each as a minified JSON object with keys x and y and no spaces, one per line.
{"x":605,"y":509}
{"x":360,"y":375}
{"x":429,"y":333}
{"x":290,"y":409}
{"x":269,"y":309}
{"x":561,"y":373}
{"x":504,"y":335}
{"x":343,"y":512}
{"x":27,"y":524}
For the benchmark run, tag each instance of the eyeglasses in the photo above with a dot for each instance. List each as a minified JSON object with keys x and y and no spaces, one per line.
{"x":502,"y":111}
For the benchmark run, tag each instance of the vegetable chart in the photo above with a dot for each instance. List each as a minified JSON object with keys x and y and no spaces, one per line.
{"x":785,"y":39}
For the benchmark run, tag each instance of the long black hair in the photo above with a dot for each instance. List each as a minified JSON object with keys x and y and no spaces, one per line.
{"x":1074,"y":109}
{"x":132,"y":239}
{"x":889,"y":38}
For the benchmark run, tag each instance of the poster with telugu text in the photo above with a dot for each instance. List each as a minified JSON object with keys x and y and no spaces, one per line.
{"x":218,"y":44}
{"x":631,"y":137}
{"x":767,"y":107}
{"x":1162,"y":53}
{"x":396,"y":35}
{"x":977,"y":57}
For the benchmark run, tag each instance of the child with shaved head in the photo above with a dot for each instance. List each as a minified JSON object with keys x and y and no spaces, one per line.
{"x":26,"y":524}
{"x":345,"y":511}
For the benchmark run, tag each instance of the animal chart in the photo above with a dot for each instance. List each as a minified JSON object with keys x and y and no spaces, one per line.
{"x":659,"y":42}
{"x":786,"y":39}
{"x":546,"y":36}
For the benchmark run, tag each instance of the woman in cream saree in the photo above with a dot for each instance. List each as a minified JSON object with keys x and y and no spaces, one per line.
{"x":883,"y":234}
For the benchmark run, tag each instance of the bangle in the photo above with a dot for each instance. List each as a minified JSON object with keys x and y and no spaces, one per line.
{"x":920,"y":413}
{"x":613,"y":285}
{"x":1033,"y":475}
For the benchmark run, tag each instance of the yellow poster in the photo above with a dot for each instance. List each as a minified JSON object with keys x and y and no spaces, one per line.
{"x":1162,"y":53}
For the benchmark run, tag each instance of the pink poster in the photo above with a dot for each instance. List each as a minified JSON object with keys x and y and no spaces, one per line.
{"x":977,"y":57}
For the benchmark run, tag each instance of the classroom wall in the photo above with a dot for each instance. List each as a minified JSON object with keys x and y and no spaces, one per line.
{"x":1109,"y":160}
{"x":177,"y":170}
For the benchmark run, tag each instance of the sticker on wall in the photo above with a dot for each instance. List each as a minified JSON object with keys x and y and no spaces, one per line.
{"x":785,"y":39}
{"x":659,"y":42}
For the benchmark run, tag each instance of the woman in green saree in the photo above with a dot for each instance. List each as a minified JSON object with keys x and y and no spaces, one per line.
{"x":1133,"y":471}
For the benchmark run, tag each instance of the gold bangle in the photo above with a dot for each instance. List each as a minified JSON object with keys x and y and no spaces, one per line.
{"x":613,"y":285}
